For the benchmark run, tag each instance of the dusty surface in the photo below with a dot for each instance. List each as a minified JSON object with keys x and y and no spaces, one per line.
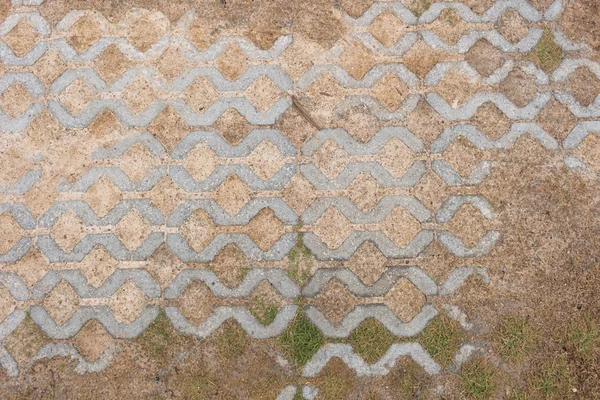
{"x":238,"y":138}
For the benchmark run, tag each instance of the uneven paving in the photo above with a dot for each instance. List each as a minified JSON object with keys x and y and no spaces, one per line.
{"x":136,"y":157}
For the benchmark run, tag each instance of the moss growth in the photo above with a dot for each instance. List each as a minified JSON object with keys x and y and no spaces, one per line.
{"x":301,"y":340}
{"x":371,"y":340}
{"x":476,"y":380}
{"x":441,"y":339}
{"x":552,"y":380}
{"x":300,"y":261}
{"x":514,"y":337}
{"x":418,"y":7}
{"x":159,"y":338}
{"x":263,"y":311}
{"x":583,"y":338}
{"x":231,"y":340}
{"x":546,"y":53}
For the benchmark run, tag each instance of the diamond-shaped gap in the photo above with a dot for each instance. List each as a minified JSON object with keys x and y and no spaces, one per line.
{"x":512,"y":26}
{"x":266,"y":159}
{"x":84,"y":33}
{"x":198,"y":230}
{"x":519,"y":88}
{"x":31,"y":267}
{"x":365,"y":192}
{"x":197,"y":302}
{"x":584,"y":86}
{"x":368,"y":263}
{"x":390,"y":91}
{"x":231,"y":265}
{"x":263,"y":93}
{"x":200,"y":95}
{"x":468,"y":224}
{"x":77,"y":96}
{"x":15,"y":100}
{"x":201,"y":161}
{"x":405,"y":300}
{"x":68,"y":231}
{"x":299,"y":193}
{"x":233,"y":194}
{"x":479,"y":6}
{"x":456,"y":88}
{"x":232,"y":63}
{"x":201,"y":33}
{"x":484,"y":57}
{"x":172,"y":63}
{"x":169,"y":128}
{"x":136,"y":162}
{"x":21,"y":38}
{"x":102,"y":196}
{"x":98,"y":265}
{"x":92,"y":340}
{"x":400,"y":226}
{"x":387,"y":28}
{"x":449,"y":26}
{"x":425,"y":122}
{"x":127,"y":303}
{"x":11,"y":232}
{"x":164,"y":265}
{"x":360,"y":124}
{"x":232,"y":126}
{"x":396,"y":157}
{"x":295,"y":127}
{"x":421,"y":58}
{"x":147,"y":30}
{"x":49,"y":67}
{"x":357,"y":60}
{"x":491,"y":121}
{"x":431,"y":190}
{"x":62,"y":302}
{"x":325,"y":92}
{"x":356,"y":8}
{"x":166,"y":195}
{"x":112,"y":63}
{"x":589,"y":151}
{"x":556,"y":119}
{"x":265,"y":229}
{"x":7,"y":303}
{"x":463,"y":156}
{"x":25,"y":341}
{"x":331,"y":159}
{"x":138,"y":95}
{"x":335,"y":301}
{"x":332,"y":228}
{"x":104,"y":124}
{"x":132,"y":230}
{"x":266,"y":303}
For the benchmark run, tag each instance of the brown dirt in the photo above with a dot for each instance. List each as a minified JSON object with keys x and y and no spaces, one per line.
{"x":545,"y":266}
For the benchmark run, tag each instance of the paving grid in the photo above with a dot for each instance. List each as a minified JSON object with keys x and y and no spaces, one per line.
{"x":260,"y":169}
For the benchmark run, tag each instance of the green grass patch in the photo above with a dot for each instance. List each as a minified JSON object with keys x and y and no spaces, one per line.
{"x":263,"y":311}
{"x":158,"y":338}
{"x":442,"y":339}
{"x":418,"y":7}
{"x":547,"y":53}
{"x":514,"y":337}
{"x":231,"y":340}
{"x":552,"y":381}
{"x":476,"y":380}
{"x":583,"y":338}
{"x":371,"y":340}
{"x":333,"y":386}
{"x":300,"y":261}
{"x":301,"y":340}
